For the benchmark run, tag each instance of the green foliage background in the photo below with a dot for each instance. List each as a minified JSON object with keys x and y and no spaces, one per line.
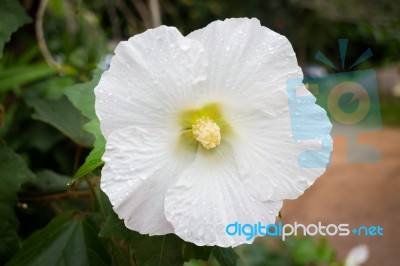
{"x":54,"y":54}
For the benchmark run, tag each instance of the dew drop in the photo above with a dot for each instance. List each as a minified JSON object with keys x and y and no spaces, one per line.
{"x":185,"y":46}
{"x":252,"y":198}
{"x":228,"y":48}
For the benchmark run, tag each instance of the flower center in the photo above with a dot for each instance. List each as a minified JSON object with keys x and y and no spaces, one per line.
{"x":207,"y":132}
{"x":205,"y":125}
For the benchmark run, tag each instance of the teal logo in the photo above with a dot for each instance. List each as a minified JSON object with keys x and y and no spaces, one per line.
{"x":351,"y":100}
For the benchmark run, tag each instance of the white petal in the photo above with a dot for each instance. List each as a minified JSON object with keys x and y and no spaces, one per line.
{"x":152,"y":75}
{"x":357,"y":255}
{"x":248,"y":63}
{"x":209,"y":196}
{"x":140,"y":166}
{"x":279,"y":156}
{"x":250,"y":67}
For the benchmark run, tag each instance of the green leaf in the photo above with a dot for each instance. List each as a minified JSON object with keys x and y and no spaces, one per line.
{"x":325,"y":252}
{"x":13,"y":173}
{"x":48,"y":182}
{"x":66,"y":240}
{"x":307,"y":250}
{"x":148,"y":250}
{"x":62,"y":115}
{"x":18,"y":76}
{"x":115,"y":228}
{"x":93,"y":160}
{"x":262,"y":254}
{"x":159,"y":250}
{"x":12,"y":16}
{"x":191,"y":251}
{"x":225,"y":256}
{"x":120,"y":237}
{"x":9,"y":240}
{"x":82,"y":96}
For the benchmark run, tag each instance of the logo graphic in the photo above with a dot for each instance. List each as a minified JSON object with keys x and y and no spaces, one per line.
{"x":352,"y":103}
{"x":249,"y":231}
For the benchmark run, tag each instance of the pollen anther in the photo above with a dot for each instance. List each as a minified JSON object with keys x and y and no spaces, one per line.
{"x":207,"y":132}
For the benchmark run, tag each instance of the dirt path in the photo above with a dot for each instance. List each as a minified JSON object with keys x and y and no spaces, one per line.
{"x":358,"y":194}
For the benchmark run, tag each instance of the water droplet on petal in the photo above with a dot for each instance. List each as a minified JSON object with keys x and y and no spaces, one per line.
{"x":185,"y":46}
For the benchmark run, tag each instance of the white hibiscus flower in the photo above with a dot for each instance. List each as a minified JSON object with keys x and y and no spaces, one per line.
{"x":198,"y":130}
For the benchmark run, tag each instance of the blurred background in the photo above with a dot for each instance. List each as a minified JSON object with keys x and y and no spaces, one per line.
{"x":66,"y":40}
